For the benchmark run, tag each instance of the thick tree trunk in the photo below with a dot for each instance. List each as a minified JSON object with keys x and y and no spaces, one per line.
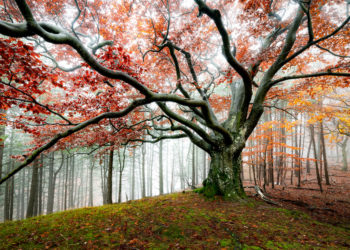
{"x":224,"y":175}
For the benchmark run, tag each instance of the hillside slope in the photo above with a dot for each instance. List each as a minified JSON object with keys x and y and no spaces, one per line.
{"x":175,"y":221}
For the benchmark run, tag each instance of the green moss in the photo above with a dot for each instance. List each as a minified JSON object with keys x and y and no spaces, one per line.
{"x":210,"y":190}
{"x":284,"y":245}
{"x":247,"y":247}
{"x":199,"y":190}
{"x":225,"y":242}
{"x":293,"y":213}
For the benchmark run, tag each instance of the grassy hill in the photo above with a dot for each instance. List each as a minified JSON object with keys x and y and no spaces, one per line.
{"x":175,"y":221}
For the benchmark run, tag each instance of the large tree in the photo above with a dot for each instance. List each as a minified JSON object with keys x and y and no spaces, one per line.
{"x":167,"y":52}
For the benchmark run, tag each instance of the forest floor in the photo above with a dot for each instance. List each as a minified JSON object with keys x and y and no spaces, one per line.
{"x":331,"y":206}
{"x":177,"y":221}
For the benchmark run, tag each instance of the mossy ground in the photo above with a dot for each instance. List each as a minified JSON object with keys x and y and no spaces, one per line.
{"x":187,"y":221}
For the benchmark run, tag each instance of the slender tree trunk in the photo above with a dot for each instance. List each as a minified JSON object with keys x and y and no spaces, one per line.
{"x":2,"y":146}
{"x":132,"y":189}
{"x":91,"y":194}
{"x":18,"y":199}
{"x":161,"y":191}
{"x":23,"y":194}
{"x":8,"y":207}
{"x":324,"y":153}
{"x":297,"y":154}
{"x":71,"y":182}
{"x":204,"y":165}
{"x":319,"y":181}
{"x":196,"y":164}
{"x":50,"y":191}
{"x":120,"y":186}
{"x":121,"y":158}
{"x":40,"y":187}
{"x":182,"y":170}
{"x":193,"y":166}
{"x":344,"y":154}
{"x":308,"y":161}
{"x":150,"y":179}
{"x":66,"y":184}
{"x":270,"y":155}
{"x":33,"y":189}
{"x":143,"y":181}
{"x":109,"y":177}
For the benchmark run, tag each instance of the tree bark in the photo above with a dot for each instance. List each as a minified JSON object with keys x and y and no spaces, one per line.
{"x":91,"y":194}
{"x":2,"y":146}
{"x":324,"y":153}
{"x":109,"y":177}
{"x":132,"y":189}
{"x":224,"y":175}
{"x":344,"y":154}
{"x":33,"y":190}
{"x":143,"y":181}
{"x":161,"y":191}
{"x":193,"y":166}
{"x":319,"y":181}
{"x":50,"y":191}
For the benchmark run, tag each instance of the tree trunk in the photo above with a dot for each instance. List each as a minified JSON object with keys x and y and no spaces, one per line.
{"x":2,"y":145}
{"x":312,"y":132}
{"x":150,"y":171}
{"x":91,"y":195}
{"x":132,"y":189}
{"x":121,"y":159}
{"x":224,"y":175}
{"x":204,"y":165}
{"x":308,"y":161}
{"x":193,"y":166}
{"x":109,"y":178}
{"x":23,"y":194}
{"x":143,"y":181}
{"x":33,"y":189}
{"x":71,"y":182}
{"x":50,"y":191}
{"x":66,"y":184}
{"x":161,"y":191}
{"x":325,"y":163}
{"x":343,"y":150}
{"x":40,"y":186}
